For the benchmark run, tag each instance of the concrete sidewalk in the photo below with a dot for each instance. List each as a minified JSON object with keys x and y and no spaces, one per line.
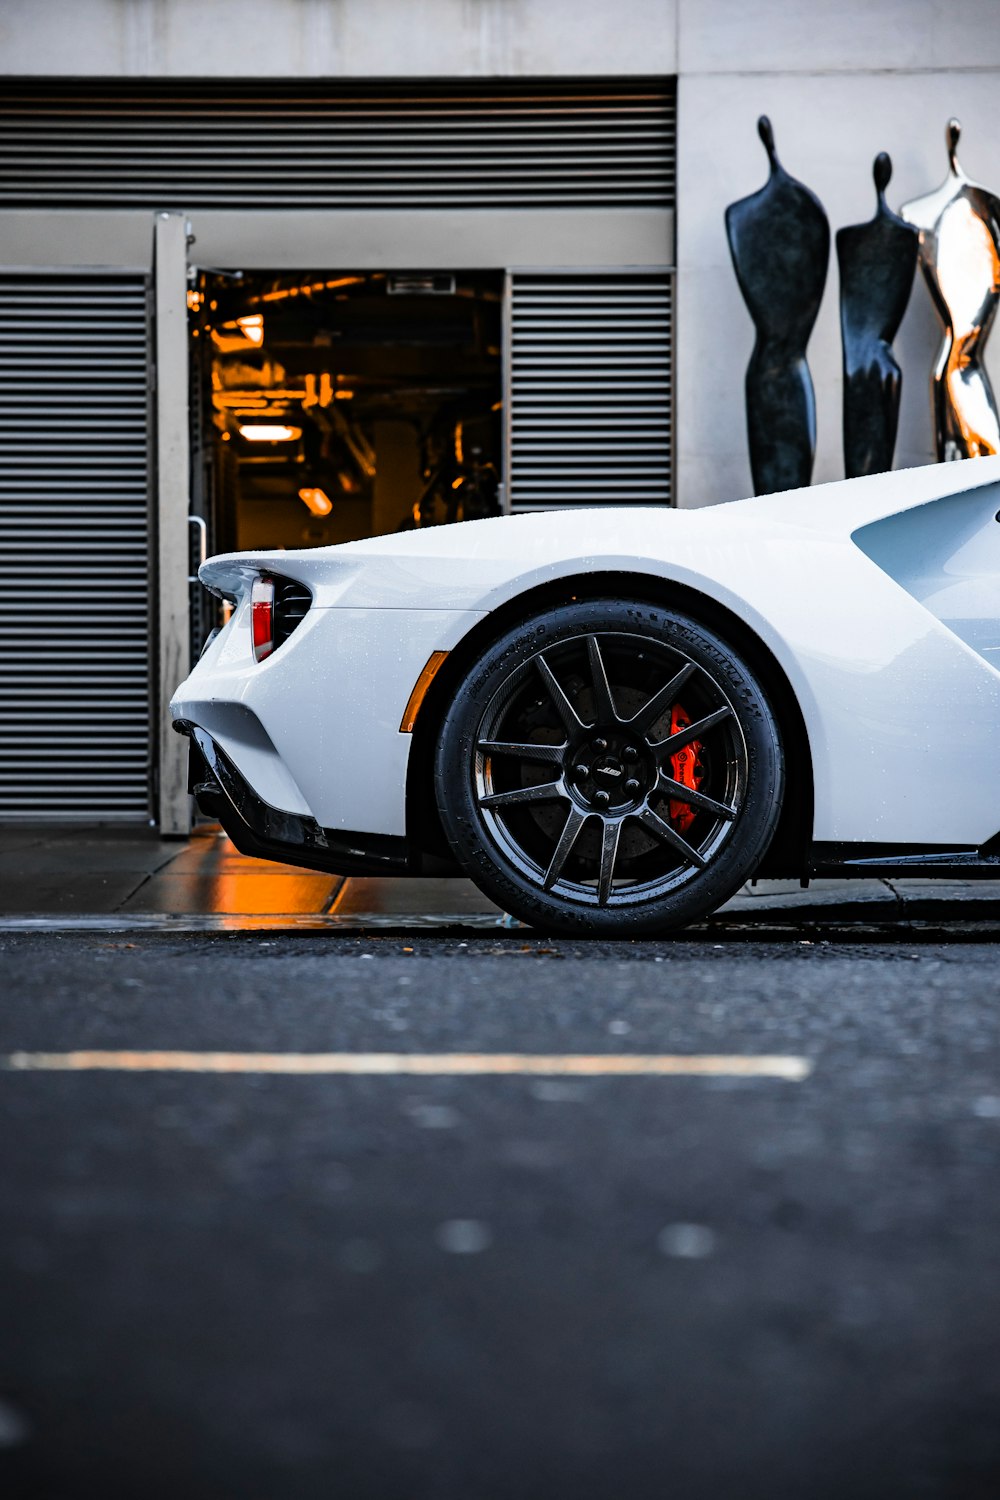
{"x":110,"y":875}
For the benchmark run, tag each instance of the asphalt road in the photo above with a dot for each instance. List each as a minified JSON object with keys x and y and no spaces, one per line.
{"x":281,"y":1285}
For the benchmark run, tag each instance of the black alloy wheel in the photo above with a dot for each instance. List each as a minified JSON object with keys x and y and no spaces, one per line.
{"x":611,"y":767}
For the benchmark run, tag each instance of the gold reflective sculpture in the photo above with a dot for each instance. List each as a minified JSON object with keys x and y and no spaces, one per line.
{"x":959,"y":227}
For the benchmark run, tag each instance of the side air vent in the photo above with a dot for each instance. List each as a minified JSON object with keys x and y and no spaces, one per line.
{"x":590,"y":396}
{"x":337,"y":145}
{"x":291,"y":605}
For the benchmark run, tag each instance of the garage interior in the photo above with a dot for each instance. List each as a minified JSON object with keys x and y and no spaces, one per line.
{"x":334,"y":405}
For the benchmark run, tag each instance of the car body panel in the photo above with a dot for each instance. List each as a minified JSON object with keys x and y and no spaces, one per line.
{"x":330,"y":700}
{"x":873,"y":595}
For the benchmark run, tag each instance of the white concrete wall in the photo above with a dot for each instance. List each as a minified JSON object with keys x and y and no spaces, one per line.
{"x":337,"y":38}
{"x":841,"y":82}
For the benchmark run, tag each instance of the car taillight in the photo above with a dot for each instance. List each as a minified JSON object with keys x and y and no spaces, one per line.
{"x":262,"y":617}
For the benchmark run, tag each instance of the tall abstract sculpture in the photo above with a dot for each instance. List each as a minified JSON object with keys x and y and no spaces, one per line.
{"x":780,"y":243}
{"x":877,"y":261}
{"x":959,"y":228}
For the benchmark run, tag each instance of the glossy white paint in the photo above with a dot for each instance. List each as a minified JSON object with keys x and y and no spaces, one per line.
{"x":947,"y":555}
{"x":330,"y":701}
{"x":899,"y":696}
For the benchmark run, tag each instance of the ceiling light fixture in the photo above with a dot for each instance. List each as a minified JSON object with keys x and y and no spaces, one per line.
{"x":317,"y":501}
{"x":253,"y":327}
{"x":316,"y":286}
{"x":269,"y":432}
{"x":239,"y":335}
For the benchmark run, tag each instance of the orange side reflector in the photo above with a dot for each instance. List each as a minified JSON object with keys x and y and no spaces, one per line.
{"x":435,"y":662}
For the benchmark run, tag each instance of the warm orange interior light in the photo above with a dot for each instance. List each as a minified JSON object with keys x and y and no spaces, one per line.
{"x":316,"y":500}
{"x":253,"y":327}
{"x":237,"y":335}
{"x":269,"y":432}
{"x":257,"y":398}
{"x":434,"y":663}
{"x":313,"y":286}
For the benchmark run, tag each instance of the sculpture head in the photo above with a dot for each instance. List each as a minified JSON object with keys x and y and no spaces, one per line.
{"x":766,"y":133}
{"x":952,"y":135}
{"x":882,"y":173}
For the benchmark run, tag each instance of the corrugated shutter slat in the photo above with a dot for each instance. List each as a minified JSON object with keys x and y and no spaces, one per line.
{"x":74,"y":548}
{"x":500,"y":144}
{"x":590,"y":391}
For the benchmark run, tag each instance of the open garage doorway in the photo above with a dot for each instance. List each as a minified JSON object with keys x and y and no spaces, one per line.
{"x":335,"y":405}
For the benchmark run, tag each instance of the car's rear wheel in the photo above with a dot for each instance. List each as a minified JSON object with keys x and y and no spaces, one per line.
{"x":609,"y":766}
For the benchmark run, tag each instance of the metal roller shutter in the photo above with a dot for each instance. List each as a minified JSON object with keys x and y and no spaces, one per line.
{"x":590,"y":396}
{"x":74,"y":547}
{"x":337,"y":145}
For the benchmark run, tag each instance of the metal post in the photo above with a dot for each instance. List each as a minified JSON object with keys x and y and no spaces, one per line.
{"x":170,"y":243}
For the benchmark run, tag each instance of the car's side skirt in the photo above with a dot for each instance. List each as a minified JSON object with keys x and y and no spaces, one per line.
{"x":918,"y":861}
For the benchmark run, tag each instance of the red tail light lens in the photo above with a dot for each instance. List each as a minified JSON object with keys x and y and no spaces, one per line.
{"x":262,"y":617}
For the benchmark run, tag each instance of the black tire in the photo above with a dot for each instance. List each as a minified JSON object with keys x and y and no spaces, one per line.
{"x":559,"y":754}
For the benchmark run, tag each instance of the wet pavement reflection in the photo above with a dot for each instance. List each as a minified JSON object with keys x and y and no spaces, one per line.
{"x":210,"y":875}
{"x":115,"y":877}
{"x":121,"y":876}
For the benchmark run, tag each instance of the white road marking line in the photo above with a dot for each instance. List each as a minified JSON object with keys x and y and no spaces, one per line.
{"x":468,"y":1064}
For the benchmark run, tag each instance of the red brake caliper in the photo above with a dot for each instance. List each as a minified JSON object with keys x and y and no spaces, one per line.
{"x":686,"y":768}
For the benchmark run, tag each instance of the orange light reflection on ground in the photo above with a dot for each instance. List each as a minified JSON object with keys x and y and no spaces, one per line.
{"x":211,"y":877}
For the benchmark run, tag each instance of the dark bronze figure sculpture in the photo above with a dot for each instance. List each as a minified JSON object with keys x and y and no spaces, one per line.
{"x":877,"y":261}
{"x":779,"y":238}
{"x":959,"y":228}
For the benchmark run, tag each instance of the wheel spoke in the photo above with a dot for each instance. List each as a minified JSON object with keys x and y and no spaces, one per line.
{"x":575,"y":820}
{"x":571,"y":719}
{"x":547,"y":791}
{"x":662,"y":830}
{"x":604,"y":704}
{"x":609,"y":852}
{"x":675,"y":742}
{"x":550,"y":754}
{"x":681,"y":793}
{"x":661,"y":701}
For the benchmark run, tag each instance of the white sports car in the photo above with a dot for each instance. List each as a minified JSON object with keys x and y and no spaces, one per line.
{"x":611,"y":718}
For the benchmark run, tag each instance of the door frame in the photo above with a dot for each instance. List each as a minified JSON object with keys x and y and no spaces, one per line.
{"x":172,"y":488}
